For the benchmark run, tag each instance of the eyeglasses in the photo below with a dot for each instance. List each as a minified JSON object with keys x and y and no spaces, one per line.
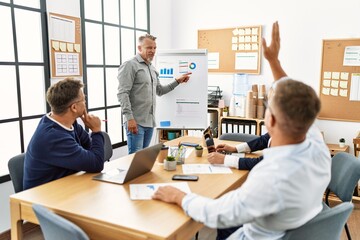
{"x":266,"y":104}
{"x":82,"y":100}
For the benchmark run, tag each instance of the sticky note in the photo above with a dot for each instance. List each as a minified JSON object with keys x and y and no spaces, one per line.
{"x":326,"y":83}
{"x":326,"y":91}
{"x":327,"y":75}
{"x":254,"y":31}
{"x":343,"y":92}
{"x":63,"y":46}
{"x":235,"y":32}
{"x":77,"y":47}
{"x":55,"y":45}
{"x":234,"y":39}
{"x":70,"y":47}
{"x":254,"y":38}
{"x":344,"y":76}
{"x":334,"y":83}
{"x":335,"y":75}
{"x":343,"y":84}
{"x":334,"y":91}
{"x":254,"y":46}
{"x":234,"y":47}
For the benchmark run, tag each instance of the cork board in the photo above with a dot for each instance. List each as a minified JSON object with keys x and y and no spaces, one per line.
{"x":232,"y":50}
{"x":340,"y":80}
{"x":65,"y":45}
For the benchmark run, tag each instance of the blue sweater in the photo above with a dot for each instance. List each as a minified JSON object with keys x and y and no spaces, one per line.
{"x":55,"y":152}
{"x":259,"y":143}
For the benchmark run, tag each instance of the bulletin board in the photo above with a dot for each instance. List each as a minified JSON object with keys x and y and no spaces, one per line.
{"x":65,"y":45}
{"x":232,"y":50}
{"x":340,"y":80}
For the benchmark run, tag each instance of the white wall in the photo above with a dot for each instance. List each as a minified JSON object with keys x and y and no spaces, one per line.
{"x":303,"y":26}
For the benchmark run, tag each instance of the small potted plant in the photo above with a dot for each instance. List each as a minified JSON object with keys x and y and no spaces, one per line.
{"x":199,"y":150}
{"x":225,"y":111}
{"x":170,"y":163}
{"x":341,"y":142}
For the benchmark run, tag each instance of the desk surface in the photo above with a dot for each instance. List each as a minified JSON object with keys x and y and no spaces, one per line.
{"x":105,"y":211}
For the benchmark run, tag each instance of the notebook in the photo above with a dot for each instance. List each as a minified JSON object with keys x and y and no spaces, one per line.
{"x":142,"y":162}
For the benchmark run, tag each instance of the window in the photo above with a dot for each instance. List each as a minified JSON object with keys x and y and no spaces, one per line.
{"x":110,"y":32}
{"x":23,"y":70}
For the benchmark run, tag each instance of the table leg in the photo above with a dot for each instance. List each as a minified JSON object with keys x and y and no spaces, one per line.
{"x":16,"y":222}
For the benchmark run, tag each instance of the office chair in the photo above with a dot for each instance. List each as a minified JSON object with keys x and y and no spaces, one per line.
{"x":328,"y":224}
{"x":16,"y":170}
{"x":108,"y":151}
{"x":345,"y":173}
{"x":55,"y":227}
{"x":239,"y":137}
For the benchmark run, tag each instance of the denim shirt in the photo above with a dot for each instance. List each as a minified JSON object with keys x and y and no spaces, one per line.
{"x":138,"y":83}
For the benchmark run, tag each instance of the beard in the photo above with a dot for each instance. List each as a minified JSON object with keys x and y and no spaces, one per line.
{"x":149,"y":59}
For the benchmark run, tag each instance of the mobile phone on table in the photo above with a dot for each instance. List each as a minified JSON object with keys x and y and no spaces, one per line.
{"x":185,"y":177}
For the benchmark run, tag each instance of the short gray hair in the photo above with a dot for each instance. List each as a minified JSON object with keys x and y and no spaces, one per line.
{"x":149,"y":36}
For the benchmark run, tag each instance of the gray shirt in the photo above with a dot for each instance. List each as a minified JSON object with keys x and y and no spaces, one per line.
{"x":138,"y":81}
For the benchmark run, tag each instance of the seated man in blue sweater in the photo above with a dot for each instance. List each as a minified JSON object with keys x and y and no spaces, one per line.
{"x":60,"y":146}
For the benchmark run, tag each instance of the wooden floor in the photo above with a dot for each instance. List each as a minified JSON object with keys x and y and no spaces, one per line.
{"x":34,"y":232}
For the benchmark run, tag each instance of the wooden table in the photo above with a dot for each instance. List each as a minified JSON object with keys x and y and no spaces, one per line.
{"x":104,"y":210}
{"x":335,"y":148}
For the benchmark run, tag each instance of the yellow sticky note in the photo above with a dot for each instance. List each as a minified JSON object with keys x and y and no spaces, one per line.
{"x":343,"y":84}
{"x":70,"y":47}
{"x":55,"y":45}
{"x":344,"y":76}
{"x":334,"y":92}
{"x":326,"y":91}
{"x":235,"y":32}
{"x":327,"y":75}
{"x":335,"y":75}
{"x":77,"y":47}
{"x":334,"y":83}
{"x":343,"y":92}
{"x":63,"y":46}
{"x":326,"y":83}
{"x":254,"y":46}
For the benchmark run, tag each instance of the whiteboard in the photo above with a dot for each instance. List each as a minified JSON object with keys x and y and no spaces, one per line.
{"x":186,"y":106}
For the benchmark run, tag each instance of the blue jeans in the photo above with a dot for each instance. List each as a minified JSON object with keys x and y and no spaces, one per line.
{"x":140,"y":140}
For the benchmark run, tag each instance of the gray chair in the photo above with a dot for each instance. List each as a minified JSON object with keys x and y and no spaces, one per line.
{"x":16,"y":170}
{"x":345,"y":173}
{"x":55,"y":227}
{"x":108,"y":150}
{"x":239,"y":137}
{"x":328,"y":224}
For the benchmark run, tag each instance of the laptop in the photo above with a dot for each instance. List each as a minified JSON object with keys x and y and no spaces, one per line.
{"x":142,"y":163}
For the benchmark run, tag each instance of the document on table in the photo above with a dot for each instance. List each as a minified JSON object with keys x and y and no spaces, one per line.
{"x":205,"y":169}
{"x":145,"y":191}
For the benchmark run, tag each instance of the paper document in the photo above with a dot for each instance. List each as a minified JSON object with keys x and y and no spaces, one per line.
{"x":145,"y":191}
{"x":205,"y":169}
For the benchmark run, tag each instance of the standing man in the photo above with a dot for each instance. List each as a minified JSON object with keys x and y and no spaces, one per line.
{"x":279,"y":193}
{"x":60,"y":146}
{"x":138,"y":83}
